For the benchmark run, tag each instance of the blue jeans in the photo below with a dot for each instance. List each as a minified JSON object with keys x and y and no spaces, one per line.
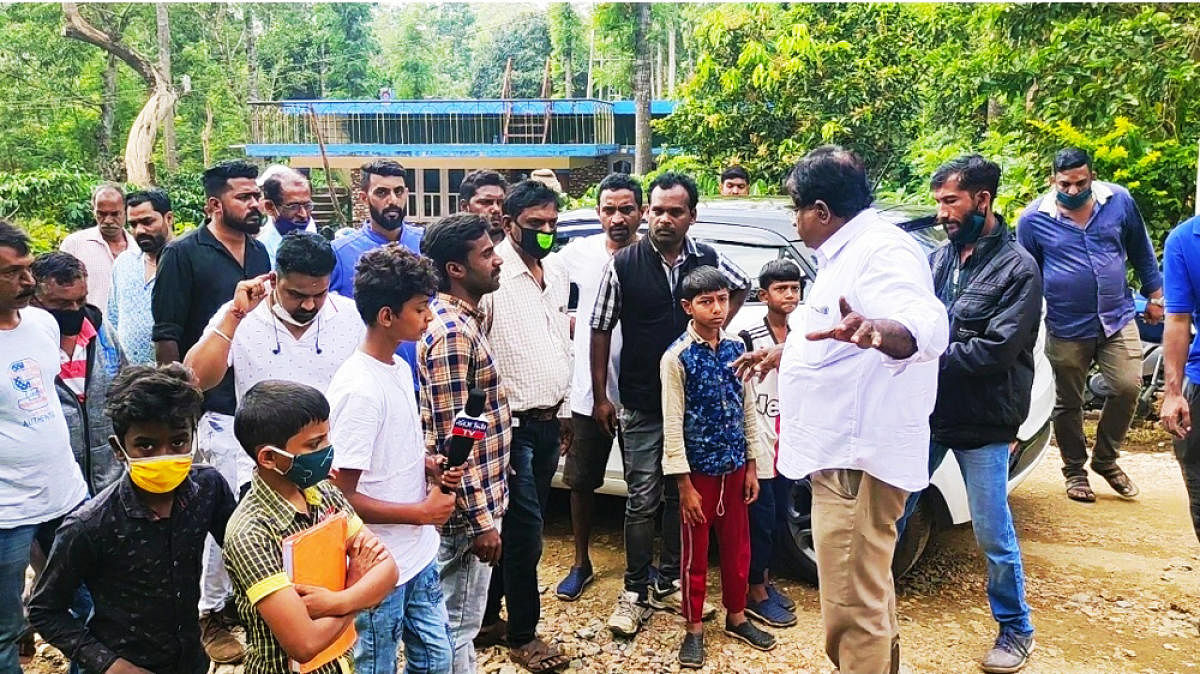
{"x":649,"y":492}
{"x":14,"y":558}
{"x":465,"y":584}
{"x":766,"y":514}
{"x":985,"y":474}
{"x":413,"y":614}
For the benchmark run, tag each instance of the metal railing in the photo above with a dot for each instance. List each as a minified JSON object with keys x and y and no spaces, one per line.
{"x":573,"y":121}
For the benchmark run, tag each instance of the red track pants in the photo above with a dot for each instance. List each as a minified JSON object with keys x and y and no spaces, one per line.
{"x":723,"y":499}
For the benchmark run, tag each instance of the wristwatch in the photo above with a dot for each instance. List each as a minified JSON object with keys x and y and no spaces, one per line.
{"x":1158,"y":301}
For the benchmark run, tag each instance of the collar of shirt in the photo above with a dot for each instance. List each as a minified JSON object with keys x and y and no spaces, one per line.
{"x":695,"y":336}
{"x":280,"y":510}
{"x":1101,"y":192}
{"x":845,"y":234}
{"x":205,"y":237}
{"x":134,"y":507}
{"x":93,"y":234}
{"x":461,"y":306}
{"x":513,"y":265}
{"x":689,"y":250}
{"x":379,"y":239}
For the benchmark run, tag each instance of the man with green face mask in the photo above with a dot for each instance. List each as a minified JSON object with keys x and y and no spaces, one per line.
{"x":527,"y":326}
{"x":1082,"y":234}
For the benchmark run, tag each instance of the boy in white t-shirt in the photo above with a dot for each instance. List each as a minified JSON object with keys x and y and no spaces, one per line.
{"x":381,"y":463}
{"x":779,"y":288}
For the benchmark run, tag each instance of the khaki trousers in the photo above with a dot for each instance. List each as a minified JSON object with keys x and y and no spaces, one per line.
{"x":854,"y":531}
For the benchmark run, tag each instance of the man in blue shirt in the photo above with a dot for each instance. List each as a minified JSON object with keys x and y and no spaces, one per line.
{"x":385,"y":191}
{"x":1081,"y":234}
{"x":1181,"y":266}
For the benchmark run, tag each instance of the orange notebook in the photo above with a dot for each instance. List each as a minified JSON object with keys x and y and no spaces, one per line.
{"x":317,"y":556}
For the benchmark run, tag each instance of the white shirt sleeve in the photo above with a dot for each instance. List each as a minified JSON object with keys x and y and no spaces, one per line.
{"x":898,"y":285}
{"x":355,"y":418}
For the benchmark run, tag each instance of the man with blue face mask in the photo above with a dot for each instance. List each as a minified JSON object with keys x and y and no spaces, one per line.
{"x":1082,"y":234}
{"x":287,"y":199}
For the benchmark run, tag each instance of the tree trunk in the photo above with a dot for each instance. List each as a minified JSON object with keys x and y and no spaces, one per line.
{"x":251,"y":74}
{"x":671,"y":62}
{"x":591,"y":60}
{"x":568,"y":74}
{"x":206,"y":134}
{"x":163,"y":21}
{"x":641,"y":89}
{"x":658,"y":71}
{"x":140,"y":145}
{"x":108,"y":114}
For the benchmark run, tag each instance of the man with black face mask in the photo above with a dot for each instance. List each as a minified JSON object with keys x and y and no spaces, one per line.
{"x":384,"y":189}
{"x":89,"y":362}
{"x":992,"y":290}
{"x":198,"y":273}
{"x":1083,"y":234}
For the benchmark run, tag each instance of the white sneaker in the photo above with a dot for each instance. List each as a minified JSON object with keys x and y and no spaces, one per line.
{"x":629,"y":615}
{"x":672,"y":600}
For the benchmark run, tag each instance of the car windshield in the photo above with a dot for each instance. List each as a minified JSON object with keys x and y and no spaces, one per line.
{"x":930,"y":236}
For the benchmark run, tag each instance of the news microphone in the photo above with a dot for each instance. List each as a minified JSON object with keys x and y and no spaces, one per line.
{"x":469,"y":427}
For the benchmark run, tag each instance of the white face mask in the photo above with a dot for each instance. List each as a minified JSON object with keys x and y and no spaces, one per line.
{"x":283,"y":315}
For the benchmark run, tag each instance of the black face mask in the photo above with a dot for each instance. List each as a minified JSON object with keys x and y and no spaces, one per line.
{"x":536,"y":243}
{"x":70,"y":321}
{"x":968,"y":233}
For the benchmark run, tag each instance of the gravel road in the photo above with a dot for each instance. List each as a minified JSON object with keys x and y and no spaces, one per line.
{"x":1114,"y":586}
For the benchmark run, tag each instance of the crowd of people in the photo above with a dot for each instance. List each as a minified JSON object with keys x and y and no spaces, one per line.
{"x":179,"y":407}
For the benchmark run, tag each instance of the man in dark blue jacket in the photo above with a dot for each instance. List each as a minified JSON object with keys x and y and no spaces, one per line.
{"x":993,"y":292}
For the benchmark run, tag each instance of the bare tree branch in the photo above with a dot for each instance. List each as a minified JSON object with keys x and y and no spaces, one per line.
{"x":78,"y":28}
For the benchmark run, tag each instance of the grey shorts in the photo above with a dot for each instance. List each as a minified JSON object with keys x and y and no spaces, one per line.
{"x":588,"y":457}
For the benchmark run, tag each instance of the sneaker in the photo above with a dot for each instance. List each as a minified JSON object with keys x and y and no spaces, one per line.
{"x":780,"y":598}
{"x":219,"y":642}
{"x":629,"y":615}
{"x":669,"y":597}
{"x":1009,"y":654}
{"x":747,"y":632}
{"x":691,"y":651}
{"x":572,"y":586}
{"x":770,"y":613}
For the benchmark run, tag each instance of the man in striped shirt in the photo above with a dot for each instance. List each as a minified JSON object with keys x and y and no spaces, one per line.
{"x":89,"y":360}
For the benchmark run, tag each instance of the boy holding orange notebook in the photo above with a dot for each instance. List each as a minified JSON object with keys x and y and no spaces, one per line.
{"x":284,"y":427}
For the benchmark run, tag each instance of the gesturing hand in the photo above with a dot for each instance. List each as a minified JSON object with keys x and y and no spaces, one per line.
{"x":249,"y":293}
{"x":758,"y":363}
{"x":854,"y":328}
{"x":1176,"y":415}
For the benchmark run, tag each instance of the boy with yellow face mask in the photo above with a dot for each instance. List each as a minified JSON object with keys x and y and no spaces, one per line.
{"x":137,"y":545}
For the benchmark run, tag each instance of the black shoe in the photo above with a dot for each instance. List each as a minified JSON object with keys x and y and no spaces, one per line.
{"x":691,"y":651}
{"x":763,"y":641}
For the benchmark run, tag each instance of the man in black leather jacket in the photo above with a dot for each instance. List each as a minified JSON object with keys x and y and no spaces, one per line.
{"x":993,"y":292}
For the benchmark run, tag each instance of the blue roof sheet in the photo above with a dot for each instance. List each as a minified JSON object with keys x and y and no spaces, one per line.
{"x":659,"y":107}
{"x":431,"y":150}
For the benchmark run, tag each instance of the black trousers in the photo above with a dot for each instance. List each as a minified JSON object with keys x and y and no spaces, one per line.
{"x":1187,"y":451}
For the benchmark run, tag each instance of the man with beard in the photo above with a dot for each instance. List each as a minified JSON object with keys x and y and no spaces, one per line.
{"x":197,"y":274}
{"x":620,"y":210}
{"x":282,"y":325}
{"x":639,"y":289}
{"x":90,"y":361}
{"x":39,"y":483}
{"x":454,"y":357}
{"x":992,"y":290}
{"x":287,"y":199}
{"x":482,"y":192}
{"x":98,"y":247}
{"x":128,"y":313}
{"x":384,"y":190}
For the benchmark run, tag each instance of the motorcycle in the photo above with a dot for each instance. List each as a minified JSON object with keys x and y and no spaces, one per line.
{"x":1098,"y":389}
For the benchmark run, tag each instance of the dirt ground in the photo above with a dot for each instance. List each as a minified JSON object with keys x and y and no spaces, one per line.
{"x":1114,"y":587}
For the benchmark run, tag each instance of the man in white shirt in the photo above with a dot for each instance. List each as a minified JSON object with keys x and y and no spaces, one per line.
{"x":287,"y":199}
{"x":39,"y":481}
{"x":281,"y":325}
{"x":99,"y":246}
{"x":855,"y":394}
{"x":527,"y":326}
{"x":380,"y":458}
{"x":620,"y":210}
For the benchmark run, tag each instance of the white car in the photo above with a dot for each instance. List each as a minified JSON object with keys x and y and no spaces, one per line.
{"x":753,"y":231}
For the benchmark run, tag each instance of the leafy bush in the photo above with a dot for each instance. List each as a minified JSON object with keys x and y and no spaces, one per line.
{"x":53,"y":195}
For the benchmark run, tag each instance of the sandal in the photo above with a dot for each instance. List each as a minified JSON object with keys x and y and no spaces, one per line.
{"x":491,"y":635}
{"x":537,"y":656}
{"x":1120,"y":482}
{"x":1078,"y":489}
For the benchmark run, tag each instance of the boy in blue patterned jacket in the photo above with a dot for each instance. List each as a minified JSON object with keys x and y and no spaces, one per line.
{"x":710,"y":432}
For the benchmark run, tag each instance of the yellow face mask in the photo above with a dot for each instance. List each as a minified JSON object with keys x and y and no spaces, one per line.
{"x":159,"y":474}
